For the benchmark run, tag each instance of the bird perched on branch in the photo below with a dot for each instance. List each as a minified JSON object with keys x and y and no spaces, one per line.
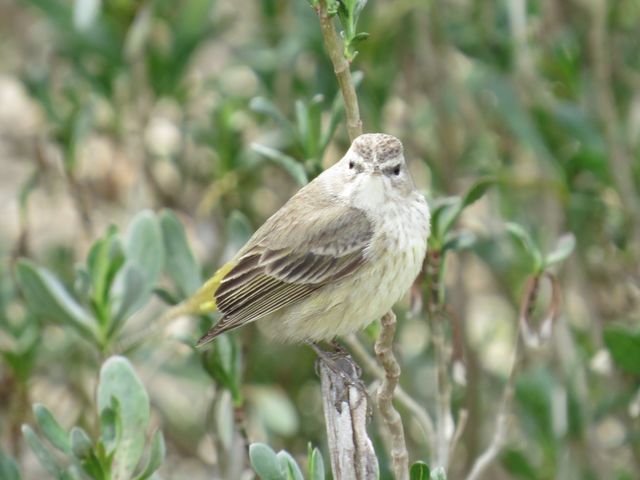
{"x":334,"y":258}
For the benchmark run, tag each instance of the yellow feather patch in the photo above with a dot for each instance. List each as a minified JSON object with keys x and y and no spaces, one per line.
{"x":203,"y":301}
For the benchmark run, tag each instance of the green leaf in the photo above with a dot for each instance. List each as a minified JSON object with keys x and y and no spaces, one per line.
{"x":419,"y":471}
{"x":8,"y":467}
{"x":459,"y":241}
{"x":223,"y":416}
{"x":444,"y":215}
{"x":129,"y":289}
{"x":289,"y":164}
{"x":524,"y":239}
{"x":51,"y":429}
{"x":47,"y":298}
{"x":110,"y":426}
{"x":144,"y":246}
{"x":477,"y":190}
{"x":118,"y":380}
{"x":316,"y":465}
{"x":266,"y":463}
{"x":103,"y":262}
{"x":181,"y":264}
{"x":266,"y":107}
{"x":447,"y":211}
{"x":624,"y":346}
{"x":156,"y":456}
{"x":516,"y":463}
{"x":222,"y":362}
{"x":438,"y":474}
{"x":83,"y":451}
{"x":44,"y":455}
{"x":290,"y":466}
{"x":80,"y":444}
{"x":144,"y":251}
{"x":563,"y":249}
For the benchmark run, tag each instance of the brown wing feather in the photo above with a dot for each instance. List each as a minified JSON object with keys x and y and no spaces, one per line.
{"x":275,"y":270}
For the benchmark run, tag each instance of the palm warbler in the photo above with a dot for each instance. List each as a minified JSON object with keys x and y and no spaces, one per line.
{"x":335,"y":257}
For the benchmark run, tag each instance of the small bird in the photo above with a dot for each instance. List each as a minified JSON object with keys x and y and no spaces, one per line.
{"x":339,"y":254}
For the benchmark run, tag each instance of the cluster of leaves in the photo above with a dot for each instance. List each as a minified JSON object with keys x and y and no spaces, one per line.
{"x":123,"y":409}
{"x":118,"y":279}
{"x":282,"y":466}
{"x":348,"y":11}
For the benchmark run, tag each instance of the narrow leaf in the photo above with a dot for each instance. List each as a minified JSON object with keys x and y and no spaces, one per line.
{"x":51,"y":429}
{"x":565,"y":247}
{"x":80,"y":444}
{"x":44,"y":455}
{"x":316,"y":465}
{"x":419,"y":471}
{"x":144,"y":251}
{"x":266,"y":107}
{"x":459,"y":241}
{"x":156,"y":456}
{"x":289,"y":164}
{"x":181,"y":264}
{"x":477,"y":190}
{"x":8,"y":467}
{"x":48,"y":298}
{"x":144,"y":246}
{"x":524,"y":239}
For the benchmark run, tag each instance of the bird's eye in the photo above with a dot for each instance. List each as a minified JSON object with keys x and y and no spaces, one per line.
{"x":396,"y":170}
{"x":351,"y":164}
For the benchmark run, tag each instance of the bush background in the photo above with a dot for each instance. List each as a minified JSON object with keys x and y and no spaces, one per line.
{"x":220,"y":110}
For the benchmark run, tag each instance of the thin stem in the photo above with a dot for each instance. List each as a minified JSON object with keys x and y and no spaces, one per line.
{"x":420,"y":414}
{"x":483,"y":462}
{"x":384,"y":351}
{"x":444,"y":418}
{"x":341,"y":67}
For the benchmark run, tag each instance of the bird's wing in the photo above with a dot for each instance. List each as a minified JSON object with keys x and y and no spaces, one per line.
{"x":288,"y":258}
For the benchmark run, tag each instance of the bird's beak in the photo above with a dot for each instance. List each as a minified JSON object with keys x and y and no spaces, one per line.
{"x":376,"y":170}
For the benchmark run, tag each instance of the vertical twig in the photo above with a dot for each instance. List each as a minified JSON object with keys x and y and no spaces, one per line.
{"x":444,"y":418}
{"x":527,"y":305}
{"x":341,"y":67}
{"x":420,"y":414}
{"x":384,"y":351}
{"x":502,"y":422}
{"x":620,"y":158}
{"x":445,"y":425}
{"x":345,"y":412}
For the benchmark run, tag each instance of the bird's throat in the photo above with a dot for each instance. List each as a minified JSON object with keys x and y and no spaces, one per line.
{"x":370,"y":192}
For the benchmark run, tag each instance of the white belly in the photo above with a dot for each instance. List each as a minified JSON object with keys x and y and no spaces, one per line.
{"x":393,"y":261}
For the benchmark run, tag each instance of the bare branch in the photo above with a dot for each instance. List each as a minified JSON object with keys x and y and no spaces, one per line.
{"x":444,"y":419}
{"x":384,"y":351}
{"x":345,"y":412}
{"x":369,"y":364}
{"x":529,"y":297}
{"x":500,"y":435}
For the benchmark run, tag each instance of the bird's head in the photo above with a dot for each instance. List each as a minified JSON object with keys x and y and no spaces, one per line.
{"x":374,"y":170}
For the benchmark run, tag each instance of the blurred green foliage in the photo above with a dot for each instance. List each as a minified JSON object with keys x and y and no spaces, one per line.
{"x":219,"y":111}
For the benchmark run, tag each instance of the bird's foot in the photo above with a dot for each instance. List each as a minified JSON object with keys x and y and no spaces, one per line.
{"x":340,"y":362}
